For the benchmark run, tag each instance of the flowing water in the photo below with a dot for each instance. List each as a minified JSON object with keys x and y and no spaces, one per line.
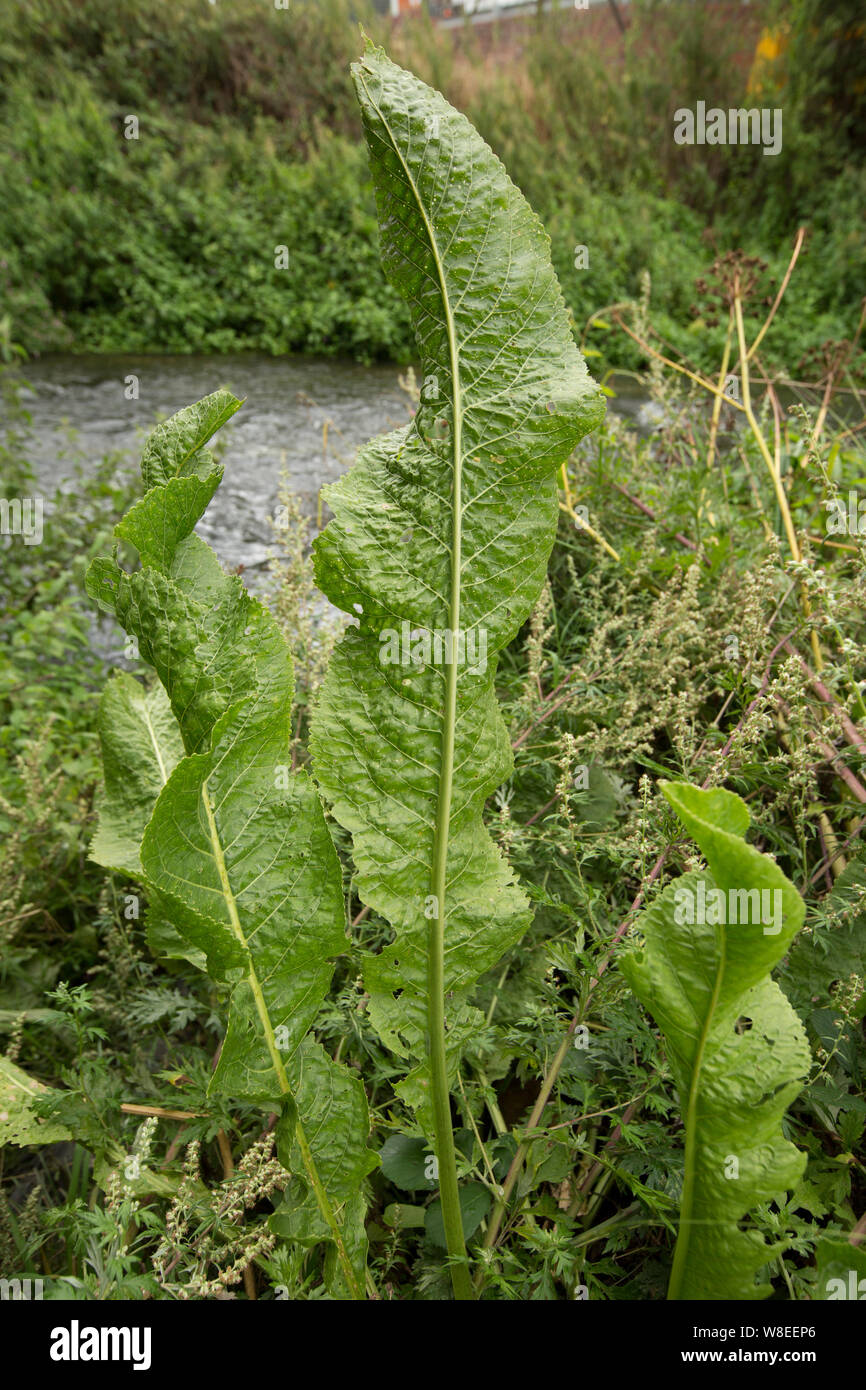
{"x":301,"y":415}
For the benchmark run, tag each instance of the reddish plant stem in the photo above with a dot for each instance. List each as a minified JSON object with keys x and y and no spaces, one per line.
{"x":846,"y":723}
{"x":598,"y":1166}
{"x":642,"y":507}
{"x":839,"y":850}
{"x":521,"y":738}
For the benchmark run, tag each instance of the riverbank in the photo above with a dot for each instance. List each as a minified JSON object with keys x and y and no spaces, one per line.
{"x":198,"y":185}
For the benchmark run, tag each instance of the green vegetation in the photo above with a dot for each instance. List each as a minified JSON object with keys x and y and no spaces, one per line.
{"x":252,"y":890}
{"x":443,"y":527}
{"x":248,"y":141}
{"x":677,"y":628}
{"x":736,"y":1047}
{"x":667,"y":659}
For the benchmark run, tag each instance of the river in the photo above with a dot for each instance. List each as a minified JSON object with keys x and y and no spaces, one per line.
{"x":305,"y":415}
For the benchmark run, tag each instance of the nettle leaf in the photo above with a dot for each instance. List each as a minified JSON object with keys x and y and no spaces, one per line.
{"x":441,"y":534}
{"x":241,"y":871}
{"x":737,"y":1049}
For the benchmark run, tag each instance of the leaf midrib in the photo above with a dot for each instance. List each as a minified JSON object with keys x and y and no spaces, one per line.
{"x":690,"y":1166}
{"x":456,"y":393}
{"x":276,"y":1060}
{"x":234,"y":919}
{"x":438,"y":870}
{"x":449,"y":716}
{"x":152,"y":733}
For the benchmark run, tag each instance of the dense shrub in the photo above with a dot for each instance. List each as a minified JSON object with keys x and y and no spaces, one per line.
{"x":248,"y":141}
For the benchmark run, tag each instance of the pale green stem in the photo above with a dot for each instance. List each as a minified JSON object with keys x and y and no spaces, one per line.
{"x":688,"y":1197}
{"x":276,"y":1060}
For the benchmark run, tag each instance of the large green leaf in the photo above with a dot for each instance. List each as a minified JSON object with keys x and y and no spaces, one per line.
{"x":141,"y":746}
{"x":443,"y":527}
{"x":18,"y":1123}
{"x":248,"y":874}
{"x":737,"y":1049}
{"x":236,"y":855}
{"x":841,"y":1271}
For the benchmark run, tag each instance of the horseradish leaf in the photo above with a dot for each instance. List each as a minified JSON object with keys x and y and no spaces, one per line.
{"x":438,"y":547}
{"x":737,"y":1049}
{"x":141,"y":745}
{"x":249,"y":875}
{"x":236,"y":855}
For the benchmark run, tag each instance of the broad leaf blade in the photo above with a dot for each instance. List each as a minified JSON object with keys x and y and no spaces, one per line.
{"x":18,"y":1123}
{"x":444,"y":526}
{"x":176,"y":448}
{"x":841,"y":1271}
{"x":334,"y":1106}
{"x":251,"y":877}
{"x":737,"y":1049}
{"x":237,"y":856}
{"x":141,"y":745}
